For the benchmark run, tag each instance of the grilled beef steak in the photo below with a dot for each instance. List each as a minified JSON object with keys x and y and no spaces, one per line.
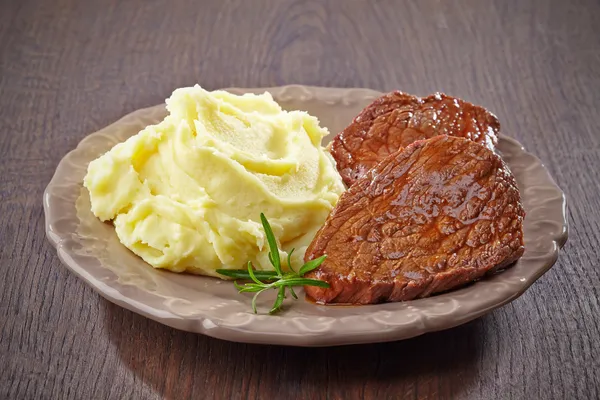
{"x":397,"y":119}
{"x":436,"y":215}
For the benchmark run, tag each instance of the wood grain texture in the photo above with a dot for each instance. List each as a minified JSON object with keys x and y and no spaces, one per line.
{"x":68,"y":68}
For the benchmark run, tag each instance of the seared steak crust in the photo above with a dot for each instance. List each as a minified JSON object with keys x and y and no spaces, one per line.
{"x":433,"y":216}
{"x":397,"y":119}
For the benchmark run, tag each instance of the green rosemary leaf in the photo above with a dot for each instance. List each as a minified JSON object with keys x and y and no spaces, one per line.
{"x":299,"y":281}
{"x":289,"y":260}
{"x":278,"y":301}
{"x":311,"y":265}
{"x":251,"y":288}
{"x":238,"y":286}
{"x":274,"y":251}
{"x":243,"y":274}
{"x":251,"y":273}
{"x":254,"y":300}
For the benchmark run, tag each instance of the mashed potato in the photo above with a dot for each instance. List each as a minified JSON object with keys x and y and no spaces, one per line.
{"x":186,"y":194}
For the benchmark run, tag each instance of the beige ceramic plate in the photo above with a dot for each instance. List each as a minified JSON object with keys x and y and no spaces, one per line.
{"x":91,"y":249}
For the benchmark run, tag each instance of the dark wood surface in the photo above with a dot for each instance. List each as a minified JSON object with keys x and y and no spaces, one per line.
{"x":70,"y":67}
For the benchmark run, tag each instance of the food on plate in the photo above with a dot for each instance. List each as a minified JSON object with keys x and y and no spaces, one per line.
{"x":431,"y":217}
{"x":185,"y":194}
{"x":277,"y":279}
{"x":430,"y":206}
{"x":397,"y":119}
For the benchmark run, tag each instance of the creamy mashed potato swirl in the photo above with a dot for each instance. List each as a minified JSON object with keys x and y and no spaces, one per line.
{"x":186,"y":194}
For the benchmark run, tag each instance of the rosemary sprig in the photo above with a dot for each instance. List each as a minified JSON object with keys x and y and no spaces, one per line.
{"x":265,"y":280}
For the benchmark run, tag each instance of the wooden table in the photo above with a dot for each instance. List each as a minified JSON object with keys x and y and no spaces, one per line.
{"x":68,"y":68}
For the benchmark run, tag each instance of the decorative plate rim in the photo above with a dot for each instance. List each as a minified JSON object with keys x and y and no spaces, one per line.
{"x":378,"y":323}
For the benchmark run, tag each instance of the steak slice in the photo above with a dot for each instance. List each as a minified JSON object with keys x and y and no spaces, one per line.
{"x":397,"y":119}
{"x":433,"y":216}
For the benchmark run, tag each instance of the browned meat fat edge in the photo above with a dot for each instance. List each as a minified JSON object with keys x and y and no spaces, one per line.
{"x":347,"y":288}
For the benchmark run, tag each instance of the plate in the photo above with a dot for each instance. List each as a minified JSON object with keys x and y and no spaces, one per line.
{"x":213,"y":307}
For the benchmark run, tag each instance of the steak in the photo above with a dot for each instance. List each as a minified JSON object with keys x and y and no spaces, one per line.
{"x":397,"y":119}
{"x":431,"y":217}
